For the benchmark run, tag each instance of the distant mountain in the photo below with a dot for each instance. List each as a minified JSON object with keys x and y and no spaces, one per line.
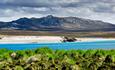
{"x":52,"y":23}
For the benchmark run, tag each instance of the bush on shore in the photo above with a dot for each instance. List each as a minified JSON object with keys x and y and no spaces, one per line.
{"x":48,"y":59}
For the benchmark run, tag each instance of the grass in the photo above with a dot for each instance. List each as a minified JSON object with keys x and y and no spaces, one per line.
{"x":48,"y":59}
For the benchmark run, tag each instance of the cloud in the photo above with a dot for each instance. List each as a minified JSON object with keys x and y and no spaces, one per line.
{"x":91,"y":9}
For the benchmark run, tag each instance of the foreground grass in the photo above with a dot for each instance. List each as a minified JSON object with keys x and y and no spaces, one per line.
{"x":48,"y":59}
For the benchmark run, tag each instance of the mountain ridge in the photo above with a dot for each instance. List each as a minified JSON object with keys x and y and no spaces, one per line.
{"x":53,"y":23}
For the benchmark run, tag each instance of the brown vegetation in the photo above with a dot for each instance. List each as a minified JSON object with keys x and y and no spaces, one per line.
{"x":68,"y":34}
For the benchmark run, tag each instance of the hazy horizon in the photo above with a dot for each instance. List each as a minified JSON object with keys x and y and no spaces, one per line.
{"x":103,"y":10}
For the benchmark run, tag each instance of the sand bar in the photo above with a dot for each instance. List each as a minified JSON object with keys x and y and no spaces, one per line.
{"x":44,"y":39}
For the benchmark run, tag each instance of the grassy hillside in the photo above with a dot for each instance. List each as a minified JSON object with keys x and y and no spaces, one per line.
{"x":48,"y":59}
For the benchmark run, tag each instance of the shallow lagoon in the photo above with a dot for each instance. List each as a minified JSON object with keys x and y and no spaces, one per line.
{"x":71,"y":45}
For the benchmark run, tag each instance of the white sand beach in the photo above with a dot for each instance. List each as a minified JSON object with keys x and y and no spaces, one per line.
{"x":43,"y":39}
{"x":30,"y":39}
{"x":94,"y":39}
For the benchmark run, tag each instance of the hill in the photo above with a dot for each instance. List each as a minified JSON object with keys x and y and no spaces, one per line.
{"x":52,"y":23}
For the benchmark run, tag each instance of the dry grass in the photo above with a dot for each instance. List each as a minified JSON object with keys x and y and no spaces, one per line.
{"x":71,"y":34}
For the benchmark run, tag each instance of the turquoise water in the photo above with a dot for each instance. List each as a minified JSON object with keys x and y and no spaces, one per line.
{"x":66,"y":46}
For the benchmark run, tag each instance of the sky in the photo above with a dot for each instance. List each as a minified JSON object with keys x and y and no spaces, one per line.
{"x":90,"y":9}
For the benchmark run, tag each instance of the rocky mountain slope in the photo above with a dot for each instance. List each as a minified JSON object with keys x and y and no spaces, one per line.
{"x":52,"y":23}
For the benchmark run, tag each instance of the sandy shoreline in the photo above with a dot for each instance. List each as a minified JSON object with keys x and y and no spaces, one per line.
{"x":44,"y":39}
